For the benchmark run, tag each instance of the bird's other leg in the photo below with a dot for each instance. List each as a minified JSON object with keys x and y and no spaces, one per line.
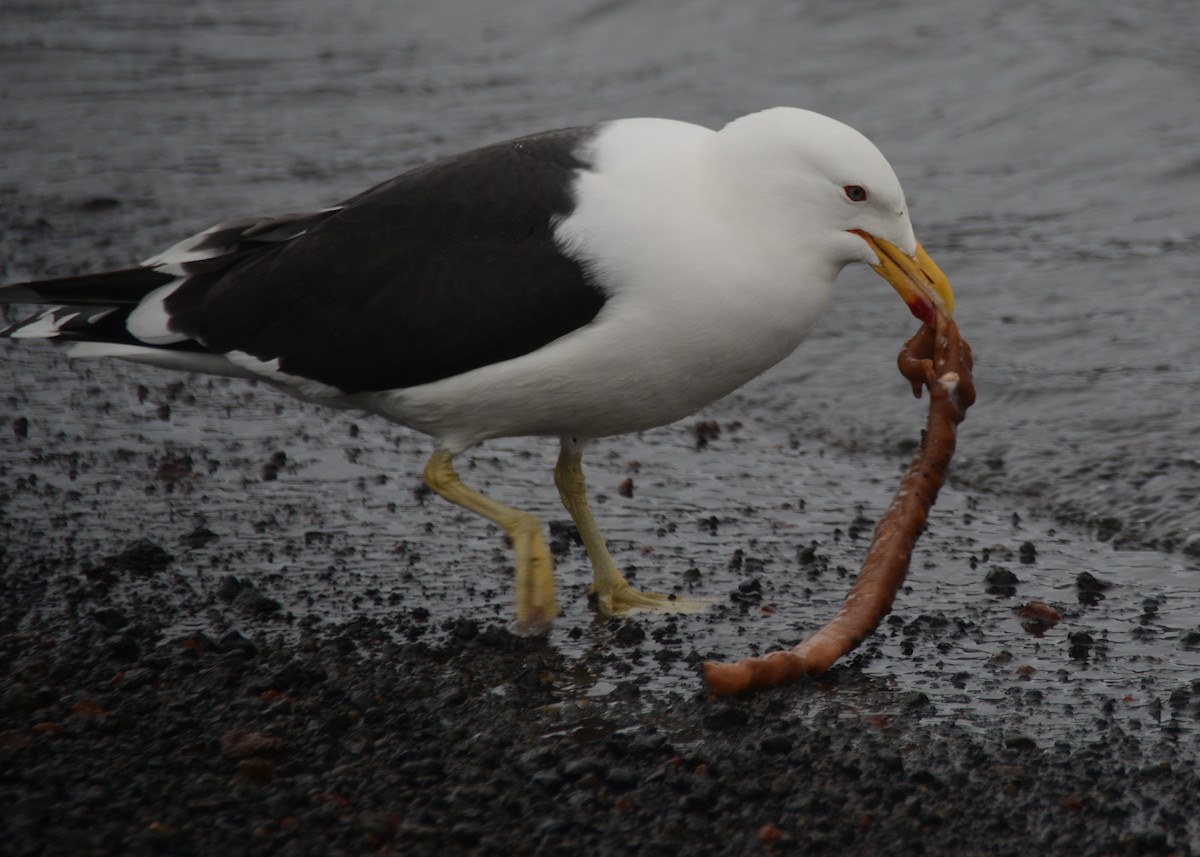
{"x":614,"y":596}
{"x":536,"y":606}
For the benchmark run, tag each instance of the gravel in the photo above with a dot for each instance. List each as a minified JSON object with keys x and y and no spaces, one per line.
{"x":270,"y":737}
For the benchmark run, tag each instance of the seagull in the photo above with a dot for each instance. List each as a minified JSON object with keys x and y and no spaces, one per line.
{"x":577,"y":283}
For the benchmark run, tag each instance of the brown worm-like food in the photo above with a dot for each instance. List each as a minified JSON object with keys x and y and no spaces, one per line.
{"x":937,"y":358}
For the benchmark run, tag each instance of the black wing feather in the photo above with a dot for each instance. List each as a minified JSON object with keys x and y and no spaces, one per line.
{"x":439,"y":271}
{"x":111,"y":288}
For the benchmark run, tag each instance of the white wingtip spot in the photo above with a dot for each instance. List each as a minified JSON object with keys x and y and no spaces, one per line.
{"x":45,"y":326}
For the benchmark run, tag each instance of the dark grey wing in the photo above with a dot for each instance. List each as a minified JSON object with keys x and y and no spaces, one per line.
{"x":96,"y":307}
{"x":439,"y":271}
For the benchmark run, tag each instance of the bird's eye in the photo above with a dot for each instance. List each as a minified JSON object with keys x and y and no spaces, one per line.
{"x":855,"y":192}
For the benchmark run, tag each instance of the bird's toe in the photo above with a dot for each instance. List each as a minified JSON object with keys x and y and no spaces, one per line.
{"x":623,"y":600}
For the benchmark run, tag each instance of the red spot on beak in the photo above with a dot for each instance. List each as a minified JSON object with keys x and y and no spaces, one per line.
{"x":923,"y":310}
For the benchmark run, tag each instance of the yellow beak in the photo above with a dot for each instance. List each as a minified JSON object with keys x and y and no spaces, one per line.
{"x":917,"y":278}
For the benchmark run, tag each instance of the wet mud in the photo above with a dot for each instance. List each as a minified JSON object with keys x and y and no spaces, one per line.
{"x":364,"y":737}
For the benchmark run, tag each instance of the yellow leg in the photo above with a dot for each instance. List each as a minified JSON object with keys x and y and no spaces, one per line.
{"x":614,"y":596}
{"x":536,"y":607}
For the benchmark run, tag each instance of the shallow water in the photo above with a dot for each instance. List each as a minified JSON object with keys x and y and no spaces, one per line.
{"x":1049,"y":158}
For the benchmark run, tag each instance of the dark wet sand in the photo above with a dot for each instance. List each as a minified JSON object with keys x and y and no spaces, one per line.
{"x":394,"y":736}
